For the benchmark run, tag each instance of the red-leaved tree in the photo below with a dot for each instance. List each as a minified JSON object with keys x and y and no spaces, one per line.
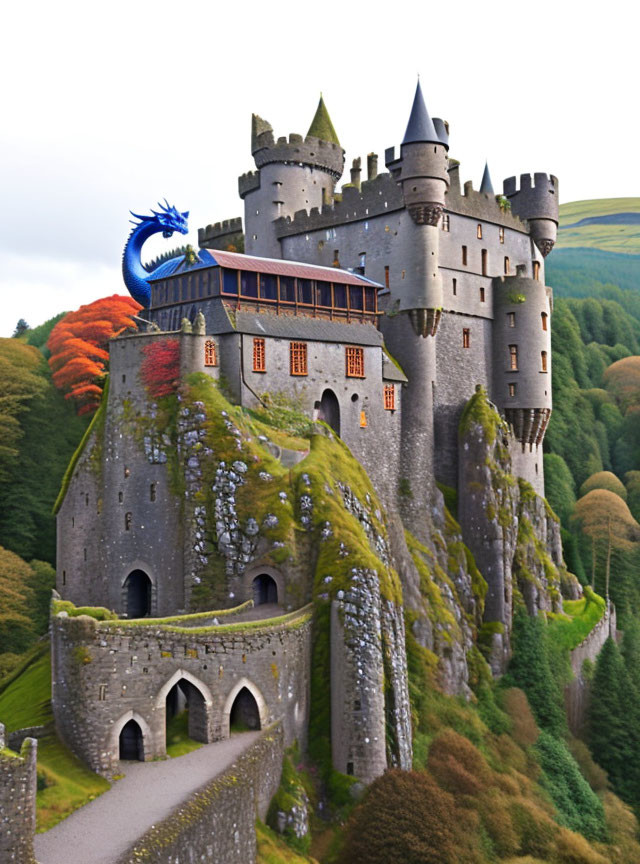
{"x":160,"y":368}
{"x":78,"y":346}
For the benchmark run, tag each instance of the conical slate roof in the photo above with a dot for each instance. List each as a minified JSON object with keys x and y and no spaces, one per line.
{"x":486,"y":187}
{"x":321,"y":125}
{"x":420,"y":127}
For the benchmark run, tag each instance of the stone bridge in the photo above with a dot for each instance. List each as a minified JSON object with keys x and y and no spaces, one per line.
{"x":115,"y":683}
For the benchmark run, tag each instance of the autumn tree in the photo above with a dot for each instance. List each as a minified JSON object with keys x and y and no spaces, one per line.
{"x":78,"y":346}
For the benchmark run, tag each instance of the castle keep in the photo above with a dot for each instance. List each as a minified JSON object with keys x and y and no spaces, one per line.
{"x":379,"y":309}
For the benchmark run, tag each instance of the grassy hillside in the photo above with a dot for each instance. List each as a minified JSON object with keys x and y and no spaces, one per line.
{"x":608,"y":224}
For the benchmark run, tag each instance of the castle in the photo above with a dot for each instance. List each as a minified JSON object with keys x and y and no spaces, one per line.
{"x":380,"y":310}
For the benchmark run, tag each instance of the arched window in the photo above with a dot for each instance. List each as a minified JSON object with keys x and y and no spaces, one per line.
{"x":544,"y":317}
{"x":210,"y":357}
{"x":244,"y":715}
{"x":131,"y":744}
{"x":138,"y":594}
{"x":543,"y":360}
{"x":265,"y":590}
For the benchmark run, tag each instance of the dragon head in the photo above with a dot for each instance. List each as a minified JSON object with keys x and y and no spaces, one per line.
{"x":168,"y":219}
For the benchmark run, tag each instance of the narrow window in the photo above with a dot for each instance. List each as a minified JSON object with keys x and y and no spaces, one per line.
{"x":127,"y":473}
{"x":513,"y":357}
{"x":259,"y":356}
{"x":363,"y":419}
{"x":464,"y":256}
{"x":536,"y":467}
{"x":354,"y":358}
{"x":479,"y":231}
{"x":506,"y":266}
{"x":86,"y":499}
{"x":152,"y":492}
{"x":466,"y":337}
{"x":445,"y":221}
{"x":102,"y":692}
{"x":298,"y":358}
{"x":390,"y":397}
{"x":482,"y":294}
{"x":501,"y":234}
{"x":64,"y":577}
{"x":544,"y":316}
{"x":124,"y":379}
{"x":455,"y":287}
{"x":485,"y":262}
{"x":350,"y":768}
{"x":210,"y":358}
{"x":543,"y":360}
{"x":536,"y":270}
{"x":127,"y":521}
{"x":512,"y":389}
{"x":386,"y":276}
{"x":511,"y":318}
{"x":85,"y":553}
{"x":363,"y":261}
{"x":120,"y":497}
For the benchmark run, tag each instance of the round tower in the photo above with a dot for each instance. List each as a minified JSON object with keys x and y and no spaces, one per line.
{"x":536,"y":202}
{"x":292,"y":174}
{"x":422,"y":172}
{"x":522,"y":355}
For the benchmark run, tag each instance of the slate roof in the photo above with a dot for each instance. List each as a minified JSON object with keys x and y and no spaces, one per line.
{"x":486,"y":187}
{"x":391,"y":372}
{"x":420,"y":127}
{"x":307,"y":329}
{"x":321,"y":125}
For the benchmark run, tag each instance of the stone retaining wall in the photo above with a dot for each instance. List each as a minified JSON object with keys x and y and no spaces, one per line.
{"x":218,"y":822}
{"x":17,"y":802}
{"x":576,"y":694}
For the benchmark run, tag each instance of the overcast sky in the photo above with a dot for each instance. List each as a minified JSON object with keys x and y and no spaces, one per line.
{"x":108,"y":107}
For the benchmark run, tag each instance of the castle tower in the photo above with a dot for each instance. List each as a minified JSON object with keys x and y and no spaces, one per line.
{"x":522,"y":366}
{"x":293,"y":174}
{"x":538,"y":203}
{"x":422,"y":172}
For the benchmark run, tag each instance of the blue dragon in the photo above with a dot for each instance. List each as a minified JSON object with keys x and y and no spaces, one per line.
{"x":134,"y":273}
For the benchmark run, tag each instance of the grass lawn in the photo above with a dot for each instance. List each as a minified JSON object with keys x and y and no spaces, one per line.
{"x":64,"y":782}
{"x":579,"y":619}
{"x":273,"y":850}
{"x":178,"y":741}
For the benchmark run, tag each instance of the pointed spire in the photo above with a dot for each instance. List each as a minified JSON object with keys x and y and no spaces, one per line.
{"x":486,"y":187}
{"x":321,"y":125}
{"x":420,"y":127}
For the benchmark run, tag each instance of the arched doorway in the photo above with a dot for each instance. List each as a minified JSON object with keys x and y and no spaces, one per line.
{"x":244,"y":715}
{"x":131,"y":744}
{"x":186,"y":714}
{"x":329,"y":410}
{"x":138,"y":588}
{"x":265,"y":590}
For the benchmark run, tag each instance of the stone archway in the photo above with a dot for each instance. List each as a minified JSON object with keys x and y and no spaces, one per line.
{"x":245,"y":705}
{"x":144,"y":740}
{"x":265,"y":590}
{"x":138,"y":592}
{"x":131,"y":742}
{"x":184,"y":691}
{"x":329,"y":410}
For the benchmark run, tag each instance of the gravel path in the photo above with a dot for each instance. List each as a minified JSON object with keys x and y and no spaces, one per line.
{"x":105,"y":828}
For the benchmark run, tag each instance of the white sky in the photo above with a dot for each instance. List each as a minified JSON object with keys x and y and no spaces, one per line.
{"x":108,"y":107}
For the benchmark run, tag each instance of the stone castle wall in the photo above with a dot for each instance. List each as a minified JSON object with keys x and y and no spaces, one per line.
{"x":107,"y":674}
{"x":218,"y":822}
{"x":577,"y":692}
{"x":17,"y":801}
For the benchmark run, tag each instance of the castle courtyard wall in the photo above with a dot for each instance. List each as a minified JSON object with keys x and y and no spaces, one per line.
{"x":17,"y":801}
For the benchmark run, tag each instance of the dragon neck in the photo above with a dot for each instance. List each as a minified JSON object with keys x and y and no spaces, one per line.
{"x":134,"y":273}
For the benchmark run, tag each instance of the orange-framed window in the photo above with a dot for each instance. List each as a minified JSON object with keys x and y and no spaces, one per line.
{"x":389,"y":397}
{"x":536,"y":270}
{"x":354,"y":361}
{"x":544,"y":317}
{"x":543,"y":361}
{"x":512,"y":389}
{"x":298,"y":358}
{"x":466,"y":337}
{"x":210,"y":354}
{"x":507,"y":265}
{"x":513,"y":358}
{"x":259,"y":356}
{"x":363,"y":419}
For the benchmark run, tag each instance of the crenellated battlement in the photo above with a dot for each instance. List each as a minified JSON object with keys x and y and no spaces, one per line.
{"x":536,"y":201}
{"x":541,"y":182}
{"x":228,"y":229}
{"x":248,"y":182}
{"x":314,"y":152}
{"x":478,"y":205}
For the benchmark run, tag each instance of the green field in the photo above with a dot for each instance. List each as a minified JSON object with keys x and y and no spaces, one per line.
{"x":621,"y":238}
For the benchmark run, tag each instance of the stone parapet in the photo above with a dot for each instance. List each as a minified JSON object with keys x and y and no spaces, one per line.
{"x":17,"y":801}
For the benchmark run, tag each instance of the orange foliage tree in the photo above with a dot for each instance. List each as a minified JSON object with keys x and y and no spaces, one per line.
{"x":161,"y":367}
{"x":623,"y":380}
{"x":78,"y":346}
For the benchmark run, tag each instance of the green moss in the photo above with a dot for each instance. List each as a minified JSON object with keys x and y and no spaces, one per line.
{"x":450,"y":498}
{"x":292,"y":793}
{"x":568,"y":630}
{"x":73,"y":611}
{"x":394,"y":361}
{"x":97,"y":426}
{"x":479,"y":411}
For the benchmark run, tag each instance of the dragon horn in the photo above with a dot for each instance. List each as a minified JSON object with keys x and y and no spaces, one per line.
{"x":167,"y":203}
{"x":136,"y":216}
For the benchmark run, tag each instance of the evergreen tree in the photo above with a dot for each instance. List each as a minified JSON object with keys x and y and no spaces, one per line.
{"x":21,"y":327}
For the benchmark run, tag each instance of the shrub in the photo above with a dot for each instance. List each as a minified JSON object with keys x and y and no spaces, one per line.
{"x":457,"y":764}
{"x":573,"y":849}
{"x":592,"y":773}
{"x":604,"y":480}
{"x":525,"y":731}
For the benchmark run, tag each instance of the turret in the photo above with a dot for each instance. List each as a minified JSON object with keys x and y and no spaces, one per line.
{"x":293,"y":174}
{"x":522,"y":354}
{"x":422,"y":173}
{"x":538,"y":203}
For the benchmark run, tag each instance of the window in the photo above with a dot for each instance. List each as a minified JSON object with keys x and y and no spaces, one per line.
{"x":479,"y":231}
{"x":455,"y":287}
{"x":305,"y":291}
{"x":126,"y":472}
{"x":389,"y":397}
{"x":482,"y":294}
{"x":354,"y":362}
{"x":445,"y":221}
{"x":543,"y":360}
{"x":355,"y":298}
{"x":466,"y":337}
{"x":340,"y":296}
{"x":536,"y":270}
{"x":64,"y":577}
{"x":323,"y":294}
{"x":259,"y":356}
{"x":298,"y":358}
{"x":506,"y":266}
{"x":485,"y":262}
{"x":501,"y":234}
{"x":363,"y":420}
{"x":287,"y":289}
{"x":363,"y":261}
{"x":512,"y":389}
{"x":513,"y":358}
{"x":248,"y":283}
{"x":268,"y":286}
{"x":544,"y":316}
{"x":152,"y":492}
{"x":464,"y":256}
{"x":210,"y":358}
{"x":386,"y":277}
{"x":127,"y":521}
{"x":102,"y":692}
{"x":511,"y":319}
